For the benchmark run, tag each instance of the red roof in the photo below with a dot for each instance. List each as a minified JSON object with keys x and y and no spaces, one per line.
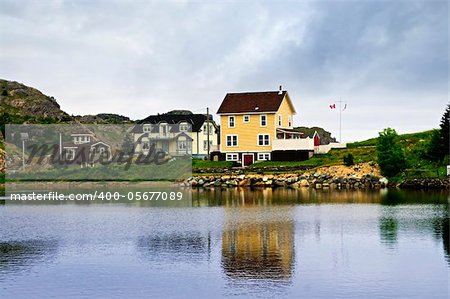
{"x":267,"y":101}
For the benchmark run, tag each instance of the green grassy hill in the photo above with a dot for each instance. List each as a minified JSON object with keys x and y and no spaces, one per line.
{"x":413,"y":144}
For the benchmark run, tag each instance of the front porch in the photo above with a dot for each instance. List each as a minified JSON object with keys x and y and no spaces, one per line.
{"x":291,"y":140}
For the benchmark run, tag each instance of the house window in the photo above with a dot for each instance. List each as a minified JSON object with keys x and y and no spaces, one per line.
{"x":205,"y":129}
{"x":264,"y":156}
{"x":246,"y":118}
{"x":146,"y":146}
{"x":147,"y":128}
{"x":70,"y":154}
{"x":263,"y":139}
{"x":231,"y":122}
{"x":182,"y":145}
{"x":184,"y":127}
{"x":290,"y":121}
{"x":280,"y":120}
{"x":232,"y":157}
{"x":163,"y":129}
{"x":232,"y":140}
{"x":263,"y":120}
{"x":205,"y":144}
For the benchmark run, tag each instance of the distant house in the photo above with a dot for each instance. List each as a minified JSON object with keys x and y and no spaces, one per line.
{"x":259,"y":126}
{"x":85,"y":149}
{"x":176,"y":134}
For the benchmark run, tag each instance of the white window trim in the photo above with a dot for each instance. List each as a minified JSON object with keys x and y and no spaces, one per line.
{"x":243,"y":118}
{"x":260,"y":120}
{"x":205,"y":144}
{"x":232,"y":157}
{"x":205,"y":129}
{"x":257,"y":139}
{"x":231,"y":135}
{"x":184,"y":127}
{"x":147,"y":128}
{"x":166,"y":129}
{"x":280,"y":120}
{"x":234,"y":121}
{"x":260,"y":155}
{"x":290,"y":120}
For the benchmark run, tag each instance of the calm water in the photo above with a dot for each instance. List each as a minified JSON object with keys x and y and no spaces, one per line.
{"x":264,"y":243}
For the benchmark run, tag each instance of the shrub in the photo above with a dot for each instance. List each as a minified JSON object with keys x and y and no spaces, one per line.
{"x":391,"y":157}
{"x":348,"y":160}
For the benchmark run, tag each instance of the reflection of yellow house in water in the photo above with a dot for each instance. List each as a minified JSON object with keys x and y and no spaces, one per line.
{"x":261,"y":250}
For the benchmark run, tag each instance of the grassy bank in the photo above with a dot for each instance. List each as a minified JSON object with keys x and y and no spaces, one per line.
{"x":413,"y":144}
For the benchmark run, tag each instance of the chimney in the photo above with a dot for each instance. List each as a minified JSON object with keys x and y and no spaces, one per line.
{"x":280,"y":91}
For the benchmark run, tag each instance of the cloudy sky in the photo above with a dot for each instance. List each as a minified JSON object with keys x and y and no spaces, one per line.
{"x":387,"y":59}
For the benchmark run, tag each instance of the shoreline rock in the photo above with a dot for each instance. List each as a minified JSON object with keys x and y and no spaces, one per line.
{"x":288,"y":180}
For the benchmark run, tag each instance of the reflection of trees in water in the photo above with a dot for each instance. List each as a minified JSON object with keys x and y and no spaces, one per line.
{"x":398,"y":196}
{"x":290,"y":196}
{"x":394,"y":218}
{"x":21,"y":255}
{"x":441,"y":228}
{"x":186,"y":247}
{"x":446,"y":237}
{"x":388,"y":230}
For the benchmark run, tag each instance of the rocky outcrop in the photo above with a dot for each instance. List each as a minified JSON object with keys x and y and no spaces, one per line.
{"x":19,"y":99}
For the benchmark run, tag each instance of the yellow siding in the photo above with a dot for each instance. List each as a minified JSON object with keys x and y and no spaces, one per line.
{"x":285,"y":111}
{"x":247,"y":133}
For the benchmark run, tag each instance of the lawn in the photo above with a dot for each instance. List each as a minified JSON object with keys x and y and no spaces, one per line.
{"x":333,"y":157}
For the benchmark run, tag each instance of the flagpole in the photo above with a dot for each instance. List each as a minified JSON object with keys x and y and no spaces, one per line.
{"x":340,"y":120}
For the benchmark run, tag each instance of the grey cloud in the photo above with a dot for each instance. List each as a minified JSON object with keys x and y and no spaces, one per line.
{"x":142,"y":57}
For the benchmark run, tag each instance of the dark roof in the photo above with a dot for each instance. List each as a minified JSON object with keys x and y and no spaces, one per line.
{"x":294,"y":130}
{"x":267,"y":101}
{"x":195,"y":120}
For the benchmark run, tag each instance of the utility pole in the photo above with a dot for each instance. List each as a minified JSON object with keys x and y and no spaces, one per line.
{"x":23,"y":154}
{"x":207,"y":129}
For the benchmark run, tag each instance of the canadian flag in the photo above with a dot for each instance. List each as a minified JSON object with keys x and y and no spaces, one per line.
{"x":333,"y":106}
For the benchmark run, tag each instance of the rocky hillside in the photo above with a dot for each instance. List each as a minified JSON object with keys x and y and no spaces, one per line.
{"x":103,"y":118}
{"x":19,"y":99}
{"x":325,"y":136}
{"x":21,"y":104}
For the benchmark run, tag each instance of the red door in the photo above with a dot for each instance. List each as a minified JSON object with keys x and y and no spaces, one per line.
{"x":248,"y":159}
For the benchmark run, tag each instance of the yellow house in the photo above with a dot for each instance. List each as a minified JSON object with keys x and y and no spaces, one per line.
{"x":259,"y":126}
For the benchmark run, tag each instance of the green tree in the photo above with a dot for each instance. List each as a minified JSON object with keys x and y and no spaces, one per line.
{"x":444,"y":136}
{"x":439,"y":143}
{"x":391,"y":157}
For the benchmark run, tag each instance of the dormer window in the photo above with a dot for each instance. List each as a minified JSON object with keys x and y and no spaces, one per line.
{"x":184,"y":127}
{"x":163,"y":130}
{"x":147,"y":128}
